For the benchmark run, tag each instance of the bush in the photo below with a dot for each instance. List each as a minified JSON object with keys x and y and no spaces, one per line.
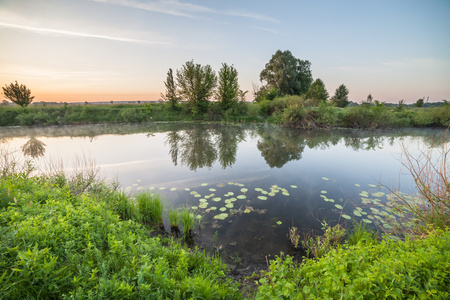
{"x":410,"y":269}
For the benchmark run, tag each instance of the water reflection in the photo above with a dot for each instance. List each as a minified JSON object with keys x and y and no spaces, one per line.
{"x":34,"y":148}
{"x":202,"y":146}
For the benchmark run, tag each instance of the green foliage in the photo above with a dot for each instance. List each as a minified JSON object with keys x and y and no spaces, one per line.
{"x":360,"y":234}
{"x":419,"y":103}
{"x":289,"y":75}
{"x":320,"y":245}
{"x":196,"y":85}
{"x":174,"y":218}
{"x":228,"y":87}
{"x":340,"y":98}
{"x":57,"y":245}
{"x":150,"y":209}
{"x":406,"y":269}
{"x":18,"y":94}
{"x":188,"y":221}
{"x":171,"y":91}
{"x":317,"y":91}
{"x":266,"y":94}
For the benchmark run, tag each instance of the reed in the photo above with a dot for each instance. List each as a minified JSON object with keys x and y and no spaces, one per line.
{"x":188,"y":221}
{"x":150,"y":209}
{"x":174,"y":218}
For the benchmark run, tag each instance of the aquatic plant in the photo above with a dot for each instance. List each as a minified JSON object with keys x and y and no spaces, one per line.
{"x":188,"y":221}
{"x":294,"y":236}
{"x":174,"y":218}
{"x":150,"y":209}
{"x":320,"y":245}
{"x":361,"y":234}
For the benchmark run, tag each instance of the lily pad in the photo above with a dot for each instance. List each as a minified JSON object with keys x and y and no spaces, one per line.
{"x":357,"y":213}
{"x":325,"y":178}
{"x":285,"y":193}
{"x":217,"y":199}
{"x":194,"y":207}
{"x":323,"y":192}
{"x":221,"y":216}
{"x":213,"y":208}
{"x":271,"y":194}
{"x":187,"y":189}
{"x":193,"y":193}
{"x":247,"y":211}
{"x":279,"y":223}
{"x":203,"y":200}
{"x":243,"y":190}
{"x":197,"y":195}
{"x":262,"y":197}
{"x":357,"y":184}
{"x":241,"y":197}
{"x":162,"y":188}
{"x":223,"y":209}
{"x":229,"y":205}
{"x":293,"y":186}
{"x":258,"y":189}
{"x":346,"y":217}
{"x":212,"y":189}
{"x":204,"y":184}
{"x":173,"y":189}
{"x":203,"y":205}
{"x":372,"y":185}
{"x":338,"y":206}
{"x":367,"y":221}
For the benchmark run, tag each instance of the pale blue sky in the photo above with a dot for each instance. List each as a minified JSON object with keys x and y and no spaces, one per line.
{"x":80,"y":50}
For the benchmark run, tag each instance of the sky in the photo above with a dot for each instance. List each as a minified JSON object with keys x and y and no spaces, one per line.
{"x":119,"y":50}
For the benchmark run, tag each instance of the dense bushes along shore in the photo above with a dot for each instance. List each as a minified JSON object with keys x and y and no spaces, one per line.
{"x":293,"y":111}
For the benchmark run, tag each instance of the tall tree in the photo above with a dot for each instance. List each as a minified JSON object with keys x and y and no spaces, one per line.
{"x":19,"y":94}
{"x":340,"y":98}
{"x":291,"y":76}
{"x":196,"y":84}
{"x":228,"y":90}
{"x":171,"y":90}
{"x":317,"y":91}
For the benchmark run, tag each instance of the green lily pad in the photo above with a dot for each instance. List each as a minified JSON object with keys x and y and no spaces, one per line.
{"x":357,"y":184}
{"x":204,"y":184}
{"x":338,"y":206}
{"x":243,"y":190}
{"x":279,"y":223}
{"x":271,"y":194}
{"x":372,"y":185}
{"x":285,"y":193}
{"x":213,"y":208}
{"x":258,"y":189}
{"x":325,"y":178}
{"x":247,"y":211}
{"x":173,"y":189}
{"x":203,"y":200}
{"x":346,"y":217}
{"x":367,"y":221}
{"x":212,"y":189}
{"x":216,"y":199}
{"x":229,"y":205}
{"x":221,"y":216}
{"x":193,"y":193}
{"x":197,"y":195}
{"x":241,"y":197}
{"x":293,"y":186}
{"x":223,"y":209}
{"x":262,"y":197}
{"x":187,"y":189}
{"x":323,"y":192}
{"x":357,"y":213}
{"x":194,"y":207}
{"x":162,"y":188}
{"x":203,"y":205}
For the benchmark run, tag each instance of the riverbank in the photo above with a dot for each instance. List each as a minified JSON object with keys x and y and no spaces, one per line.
{"x":289,"y":111}
{"x":71,"y":238}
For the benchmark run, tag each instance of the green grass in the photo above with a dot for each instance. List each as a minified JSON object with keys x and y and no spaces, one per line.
{"x":174,"y":218}
{"x":150,"y":209}
{"x":188,"y":221}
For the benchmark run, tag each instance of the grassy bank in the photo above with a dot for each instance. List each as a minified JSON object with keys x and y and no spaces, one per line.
{"x":293,"y":111}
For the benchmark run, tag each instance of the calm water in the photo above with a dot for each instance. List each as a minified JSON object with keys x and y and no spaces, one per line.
{"x":261,"y":179}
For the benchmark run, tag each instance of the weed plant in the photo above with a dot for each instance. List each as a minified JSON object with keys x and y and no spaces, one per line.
{"x":320,"y":245}
{"x":174,"y":218}
{"x":150,"y":209}
{"x":188,"y":221}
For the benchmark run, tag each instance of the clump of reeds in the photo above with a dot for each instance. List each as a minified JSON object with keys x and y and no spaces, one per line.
{"x":294,"y":236}
{"x":174,"y":219}
{"x":150,"y":209}
{"x":188,"y":221}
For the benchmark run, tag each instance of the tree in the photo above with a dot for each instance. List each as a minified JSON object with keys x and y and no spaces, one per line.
{"x":368,"y":100}
{"x":196,"y":85}
{"x":419,"y":103}
{"x":317,"y":91}
{"x":291,"y":76}
{"x":171,"y":90}
{"x":19,"y":94}
{"x":228,"y":90}
{"x":340,"y":98}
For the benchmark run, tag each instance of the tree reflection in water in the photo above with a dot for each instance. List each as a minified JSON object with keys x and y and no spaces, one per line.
{"x":202,"y":146}
{"x":33,"y":148}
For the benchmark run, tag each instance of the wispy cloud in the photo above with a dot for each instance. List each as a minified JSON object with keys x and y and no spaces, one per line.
{"x":42,"y":30}
{"x":170,"y":7}
{"x":184,"y":9}
{"x":271,"y":30}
